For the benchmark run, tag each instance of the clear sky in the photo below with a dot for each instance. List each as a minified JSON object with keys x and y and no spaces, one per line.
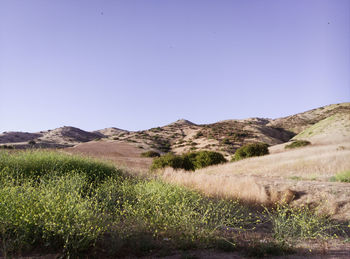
{"x":137,"y":64}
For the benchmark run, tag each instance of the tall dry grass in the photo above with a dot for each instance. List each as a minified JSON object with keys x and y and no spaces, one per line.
{"x":245,"y":188}
{"x":254,"y":179}
{"x":307,"y":162}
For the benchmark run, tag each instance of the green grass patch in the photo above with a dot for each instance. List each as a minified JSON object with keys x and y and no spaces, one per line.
{"x":297,"y":143}
{"x":36,"y":164}
{"x":341,"y":177}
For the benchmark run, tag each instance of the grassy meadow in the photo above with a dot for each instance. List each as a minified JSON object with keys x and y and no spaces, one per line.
{"x":74,"y":206}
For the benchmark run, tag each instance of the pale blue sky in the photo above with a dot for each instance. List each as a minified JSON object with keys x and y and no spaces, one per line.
{"x":137,"y":64}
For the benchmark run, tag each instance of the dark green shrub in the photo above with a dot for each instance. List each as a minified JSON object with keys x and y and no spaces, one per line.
{"x":198,"y":135}
{"x":226,"y":141}
{"x":207,"y":158}
{"x":150,"y":153}
{"x":7,"y":147}
{"x":189,"y":161}
{"x":250,"y":150}
{"x":167,"y":160}
{"x":297,"y":143}
{"x":31,"y":142}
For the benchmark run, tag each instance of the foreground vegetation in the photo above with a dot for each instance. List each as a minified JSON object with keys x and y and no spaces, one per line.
{"x":73,"y":205}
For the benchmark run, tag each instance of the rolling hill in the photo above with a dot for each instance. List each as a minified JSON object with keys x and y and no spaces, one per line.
{"x":181,"y":136}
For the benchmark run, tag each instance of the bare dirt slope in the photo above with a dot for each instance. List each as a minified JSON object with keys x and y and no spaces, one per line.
{"x":122,"y":154}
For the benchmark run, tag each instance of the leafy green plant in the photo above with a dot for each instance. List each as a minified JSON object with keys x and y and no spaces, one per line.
{"x":300,"y":223}
{"x":251,"y":150}
{"x":52,"y":212}
{"x":342,"y":177}
{"x":297,"y":143}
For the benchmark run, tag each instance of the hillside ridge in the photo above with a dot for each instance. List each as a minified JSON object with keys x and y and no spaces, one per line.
{"x":184,"y":136}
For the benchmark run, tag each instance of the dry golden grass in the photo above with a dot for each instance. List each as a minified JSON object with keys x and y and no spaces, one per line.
{"x":245,"y":188}
{"x":274,"y":178}
{"x":318,"y":162}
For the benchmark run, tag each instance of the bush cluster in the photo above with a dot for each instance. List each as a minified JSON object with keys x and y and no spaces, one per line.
{"x":31,"y":142}
{"x":297,"y":143}
{"x":250,"y":150}
{"x":150,"y":153}
{"x":189,"y":161}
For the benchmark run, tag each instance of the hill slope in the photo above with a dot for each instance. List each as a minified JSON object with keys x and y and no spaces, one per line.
{"x":335,"y":128}
{"x":57,"y":138}
{"x":299,"y":122}
{"x":184,"y":136}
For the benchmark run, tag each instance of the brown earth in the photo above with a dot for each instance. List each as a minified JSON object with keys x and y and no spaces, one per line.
{"x":121,"y":154}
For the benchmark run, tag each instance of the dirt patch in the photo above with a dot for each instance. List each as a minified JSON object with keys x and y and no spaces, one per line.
{"x":121,"y":154}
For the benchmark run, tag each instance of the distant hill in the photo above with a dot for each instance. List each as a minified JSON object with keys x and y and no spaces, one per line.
{"x":183,"y":136}
{"x":16,"y":136}
{"x":109,"y":132}
{"x":60,"y":137}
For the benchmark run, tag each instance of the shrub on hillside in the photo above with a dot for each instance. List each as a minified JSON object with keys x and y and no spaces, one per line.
{"x":250,"y":150}
{"x":31,"y":142}
{"x":150,"y":154}
{"x":207,"y":158}
{"x":189,"y":161}
{"x":168,"y":160}
{"x":297,"y":143}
